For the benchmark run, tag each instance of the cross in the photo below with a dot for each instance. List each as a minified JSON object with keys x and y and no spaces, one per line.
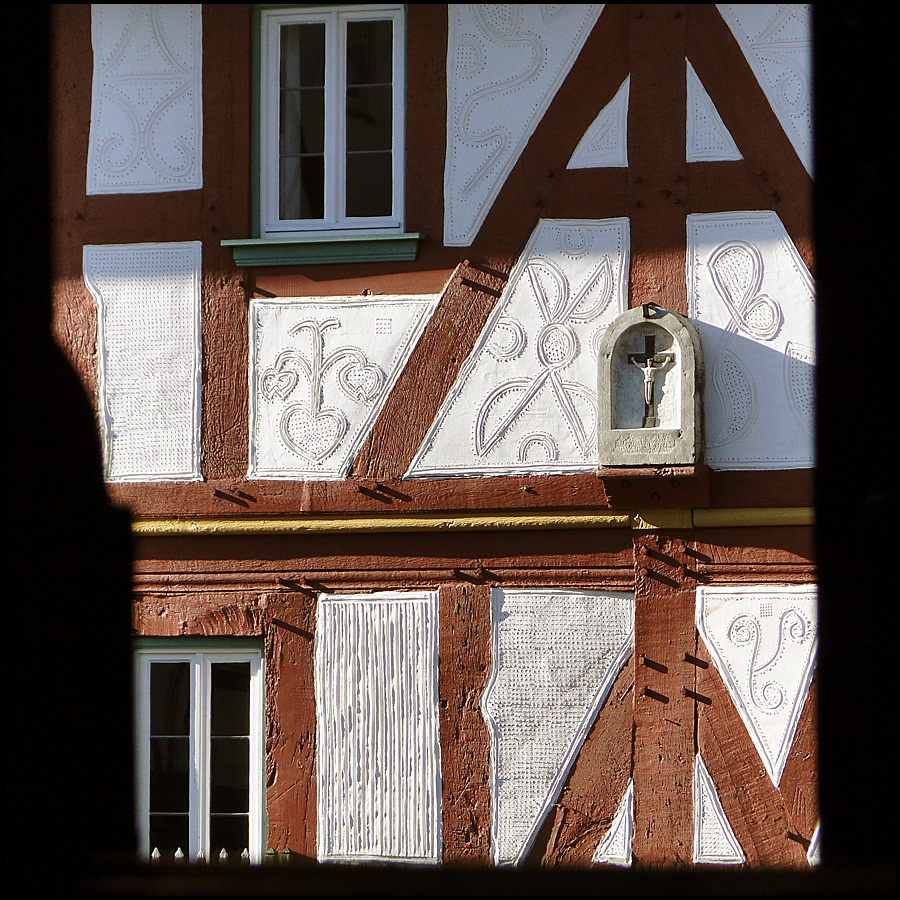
{"x":650,"y":362}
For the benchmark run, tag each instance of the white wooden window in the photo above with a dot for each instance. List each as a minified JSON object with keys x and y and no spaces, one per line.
{"x":199,"y":754}
{"x":331,"y":119}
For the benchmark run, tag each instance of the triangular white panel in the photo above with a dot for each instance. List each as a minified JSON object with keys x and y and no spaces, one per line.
{"x":777,"y":41}
{"x":505,"y":63}
{"x":814,"y":853}
{"x":555,"y":655}
{"x":708,"y":140}
{"x":605,"y":143}
{"x":526,"y":398}
{"x":320,"y":372}
{"x":714,"y":840}
{"x":752,"y":299}
{"x":763,"y":640}
{"x":146,"y":106}
{"x":615,"y":848}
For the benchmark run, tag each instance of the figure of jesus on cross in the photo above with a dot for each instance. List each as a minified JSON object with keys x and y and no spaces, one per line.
{"x":650,"y":362}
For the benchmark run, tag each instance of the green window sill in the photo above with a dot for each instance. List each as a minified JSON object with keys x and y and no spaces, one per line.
{"x":324,"y":248}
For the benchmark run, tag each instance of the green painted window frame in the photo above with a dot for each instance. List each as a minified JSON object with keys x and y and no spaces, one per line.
{"x":314,"y":247}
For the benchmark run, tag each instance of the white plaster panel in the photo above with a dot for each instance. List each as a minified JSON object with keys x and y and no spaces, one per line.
{"x":605,"y":143}
{"x":752,"y":300}
{"x":146,"y":103}
{"x":708,"y":140}
{"x":714,"y":840}
{"x":378,"y":772}
{"x":148,"y":358}
{"x":320,"y":372}
{"x":763,"y":640}
{"x":555,"y":655}
{"x":615,"y":848}
{"x":777,"y":41}
{"x":526,"y":398}
{"x":505,"y":63}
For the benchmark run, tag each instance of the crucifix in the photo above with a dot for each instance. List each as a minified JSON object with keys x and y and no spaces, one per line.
{"x":650,"y":362}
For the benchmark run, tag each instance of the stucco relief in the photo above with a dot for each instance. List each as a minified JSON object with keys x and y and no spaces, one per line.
{"x":752,"y":300}
{"x":708,"y":140}
{"x":763,"y":641}
{"x":526,"y":398}
{"x":776,"y":39}
{"x":615,"y":848}
{"x":146,"y":106}
{"x":505,"y":63}
{"x":148,"y":357}
{"x":555,"y":655}
{"x":714,"y":840}
{"x":377,"y":743}
{"x":605,"y":143}
{"x":320,"y":372}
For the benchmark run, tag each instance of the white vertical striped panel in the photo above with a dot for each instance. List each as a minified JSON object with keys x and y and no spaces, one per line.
{"x":378,"y":750}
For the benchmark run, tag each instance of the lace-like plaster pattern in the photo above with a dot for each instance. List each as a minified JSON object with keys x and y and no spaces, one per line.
{"x":777,"y":40}
{"x":763,"y":640}
{"x":526,"y":398}
{"x":320,"y":372}
{"x":752,"y":300}
{"x":146,"y":107}
{"x":707,"y":137}
{"x":615,"y":848}
{"x":714,"y":840}
{"x":148,"y":352}
{"x":378,"y":750}
{"x":605,"y":143}
{"x":555,"y":656}
{"x":505,"y":63}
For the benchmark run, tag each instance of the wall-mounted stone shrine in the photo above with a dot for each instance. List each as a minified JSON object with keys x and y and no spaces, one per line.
{"x":650,"y":390}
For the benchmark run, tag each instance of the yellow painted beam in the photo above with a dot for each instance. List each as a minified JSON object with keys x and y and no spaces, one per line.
{"x":643,"y":520}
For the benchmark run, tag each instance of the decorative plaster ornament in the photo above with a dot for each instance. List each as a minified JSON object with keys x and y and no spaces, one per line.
{"x":708,"y":140}
{"x":752,"y":300}
{"x":148,"y":353}
{"x":615,"y":848}
{"x":505,"y":63}
{"x":814,"y":853}
{"x":605,"y":143}
{"x":555,"y":655}
{"x":378,"y":770}
{"x":526,"y":398}
{"x":146,"y":106}
{"x":763,"y":640}
{"x":320,"y":372}
{"x":714,"y":840}
{"x":776,"y":39}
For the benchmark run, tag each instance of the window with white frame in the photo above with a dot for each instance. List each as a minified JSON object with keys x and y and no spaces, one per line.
{"x":331,"y":119}
{"x":199,"y":754}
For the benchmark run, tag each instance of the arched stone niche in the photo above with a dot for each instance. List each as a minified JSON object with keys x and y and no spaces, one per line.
{"x":650,"y":390}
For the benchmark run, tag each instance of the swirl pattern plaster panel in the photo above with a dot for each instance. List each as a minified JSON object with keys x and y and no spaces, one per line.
{"x":378,"y":771}
{"x":776,"y":39}
{"x":605,"y":143}
{"x":714,"y":840}
{"x":146,"y":103}
{"x":320,"y":372}
{"x":525,"y":400}
{"x":505,"y":63}
{"x":555,"y":655}
{"x":615,"y":848}
{"x":708,"y":140}
{"x":148,"y":352}
{"x":752,"y":300}
{"x":763,"y":641}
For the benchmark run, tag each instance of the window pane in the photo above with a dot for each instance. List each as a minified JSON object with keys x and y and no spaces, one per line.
{"x":168,"y":833}
{"x":302,"y":188}
{"x":369,"y":177}
{"x":302,"y":121}
{"x":303,"y":55}
{"x":369,"y":118}
{"x":369,"y":52}
{"x":230,"y":699}
{"x":230,"y":832}
{"x":169,"y":774}
{"x":229,"y":760}
{"x":170,"y":701}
